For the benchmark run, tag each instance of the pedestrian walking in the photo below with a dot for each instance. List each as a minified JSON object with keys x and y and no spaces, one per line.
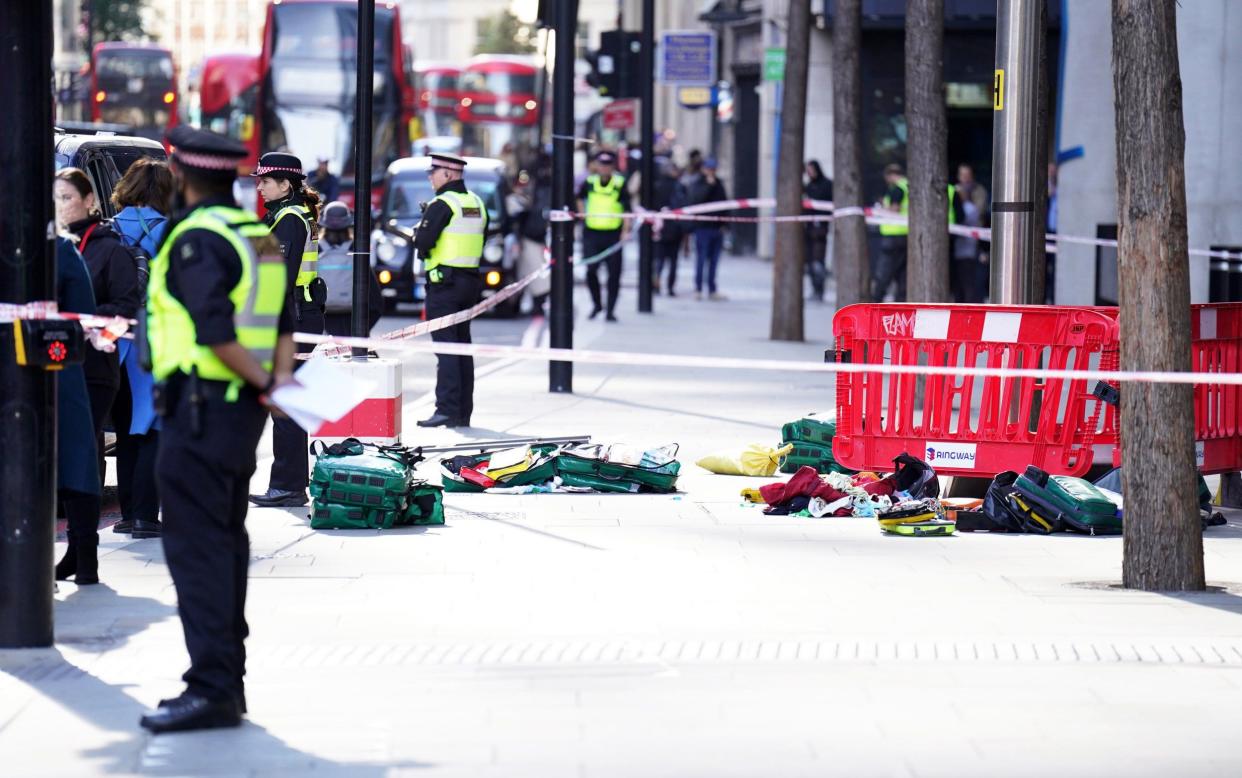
{"x":336,"y":269}
{"x":322,"y":181}
{"x":219,"y":329}
{"x":669,"y":196}
{"x":292,"y":214}
{"x":708,"y":236}
{"x":970,"y":258}
{"x":450,"y":243}
{"x":144,"y":199}
{"x":530,"y":204}
{"x":77,"y":461}
{"x":114,"y":280}
{"x":603,"y":198}
{"x":891,"y":267}
{"x":818,"y":187}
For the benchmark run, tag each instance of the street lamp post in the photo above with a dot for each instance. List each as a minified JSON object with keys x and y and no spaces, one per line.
{"x":561,"y":323}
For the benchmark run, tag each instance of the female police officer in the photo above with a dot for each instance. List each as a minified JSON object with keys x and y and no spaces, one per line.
{"x":292,"y":211}
{"x":219,"y":334}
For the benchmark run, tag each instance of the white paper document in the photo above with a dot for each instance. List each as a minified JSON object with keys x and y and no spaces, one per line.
{"x":325,"y":392}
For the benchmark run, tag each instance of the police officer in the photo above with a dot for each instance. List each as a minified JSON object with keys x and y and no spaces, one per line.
{"x":604,"y":197}
{"x":292,"y":210}
{"x":450,"y":242}
{"x":219,"y":334}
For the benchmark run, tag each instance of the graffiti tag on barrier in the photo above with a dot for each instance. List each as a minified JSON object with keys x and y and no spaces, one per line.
{"x":898,"y":324}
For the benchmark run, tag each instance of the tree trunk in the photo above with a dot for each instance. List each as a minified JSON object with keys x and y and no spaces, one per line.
{"x":849,"y":247}
{"x":787,"y":267}
{"x":1163,"y":537}
{"x":927,"y":153}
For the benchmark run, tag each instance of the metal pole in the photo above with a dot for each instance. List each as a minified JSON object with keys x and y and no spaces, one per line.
{"x":561,"y":323}
{"x":28,"y":399}
{"x":647,"y":164}
{"x":363,"y":118}
{"x":1015,"y":100}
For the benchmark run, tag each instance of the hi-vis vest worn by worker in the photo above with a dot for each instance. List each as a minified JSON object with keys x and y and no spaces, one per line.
{"x":898,"y":229}
{"x":461,"y":242}
{"x":309,"y":269}
{"x":604,"y":199}
{"x":257,"y":299}
{"x":904,"y":229}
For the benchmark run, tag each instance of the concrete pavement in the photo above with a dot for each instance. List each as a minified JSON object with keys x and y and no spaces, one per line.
{"x":678,"y":635}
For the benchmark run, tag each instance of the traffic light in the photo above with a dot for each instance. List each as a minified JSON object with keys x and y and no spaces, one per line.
{"x":616,"y":68}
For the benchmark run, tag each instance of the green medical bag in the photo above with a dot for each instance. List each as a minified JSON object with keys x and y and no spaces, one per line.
{"x":812,"y":440}
{"x":580,"y":471}
{"x":1077,"y":503}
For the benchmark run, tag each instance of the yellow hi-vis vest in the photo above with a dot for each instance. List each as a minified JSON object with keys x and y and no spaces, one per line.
{"x":461,"y":242}
{"x":604,"y":199}
{"x":309,"y":269}
{"x":952,"y":214}
{"x":898,"y":229}
{"x":258,"y":299}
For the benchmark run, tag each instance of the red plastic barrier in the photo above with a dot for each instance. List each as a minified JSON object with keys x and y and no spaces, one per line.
{"x":1215,"y":347}
{"x":966,"y":425}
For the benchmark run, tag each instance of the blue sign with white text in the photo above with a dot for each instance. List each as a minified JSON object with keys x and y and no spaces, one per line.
{"x":688,"y":58}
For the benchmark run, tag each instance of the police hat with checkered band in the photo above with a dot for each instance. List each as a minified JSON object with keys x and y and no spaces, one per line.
{"x":278,"y":164}
{"x":204,"y":150}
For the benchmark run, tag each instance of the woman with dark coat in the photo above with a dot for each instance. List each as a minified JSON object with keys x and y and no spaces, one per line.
{"x":77,"y":464}
{"x":818,"y":187}
{"x":114,"y":279}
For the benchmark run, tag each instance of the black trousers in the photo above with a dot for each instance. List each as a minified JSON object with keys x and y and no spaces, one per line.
{"x":204,"y":477}
{"x":890,"y":268}
{"x":593,"y":242}
{"x":458,"y":291}
{"x":817,"y":259}
{"x":291,"y":464}
{"x":102,"y":395}
{"x":135,"y":461}
{"x":665,"y":256}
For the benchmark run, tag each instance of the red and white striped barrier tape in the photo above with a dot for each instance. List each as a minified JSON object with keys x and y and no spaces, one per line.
{"x":102,"y":331}
{"x":692,"y":362}
{"x":700,"y":213}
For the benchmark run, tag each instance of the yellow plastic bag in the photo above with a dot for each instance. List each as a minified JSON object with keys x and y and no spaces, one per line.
{"x":755,"y":460}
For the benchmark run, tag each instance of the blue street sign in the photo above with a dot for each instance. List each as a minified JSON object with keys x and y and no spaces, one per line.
{"x":688,"y":58}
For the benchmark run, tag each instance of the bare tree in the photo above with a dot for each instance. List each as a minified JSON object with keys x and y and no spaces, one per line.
{"x":849,"y":247}
{"x":1163,"y":535}
{"x":927,"y":152}
{"x":790,"y":259}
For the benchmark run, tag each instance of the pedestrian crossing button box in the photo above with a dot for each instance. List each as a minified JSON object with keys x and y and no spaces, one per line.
{"x":49,"y":344}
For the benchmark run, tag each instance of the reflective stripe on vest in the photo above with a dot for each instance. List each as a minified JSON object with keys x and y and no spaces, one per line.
{"x":309,"y":269}
{"x":898,"y":229}
{"x":258,"y":299}
{"x":461,"y":242}
{"x":604,"y":199}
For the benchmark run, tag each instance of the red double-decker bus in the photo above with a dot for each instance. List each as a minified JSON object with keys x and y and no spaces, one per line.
{"x":498,"y":103}
{"x":307,"y":86}
{"x":135,"y":85}
{"x":228,"y":100}
{"x":435,"y":84}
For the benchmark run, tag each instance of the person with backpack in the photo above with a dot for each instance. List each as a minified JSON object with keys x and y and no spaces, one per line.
{"x":529,"y":206}
{"x":114,"y":279}
{"x":669,"y":195}
{"x":336,"y":268}
{"x":143,"y":197}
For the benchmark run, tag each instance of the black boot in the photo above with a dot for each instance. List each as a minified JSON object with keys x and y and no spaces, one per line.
{"x":68,"y":564}
{"x":88,"y":560}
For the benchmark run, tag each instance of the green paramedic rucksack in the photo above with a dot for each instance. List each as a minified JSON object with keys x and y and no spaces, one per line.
{"x":356,"y":485}
{"x":812,"y":445}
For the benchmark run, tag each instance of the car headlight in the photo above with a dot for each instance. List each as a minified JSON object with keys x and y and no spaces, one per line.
{"x":385,"y":252}
{"x":494,"y":251}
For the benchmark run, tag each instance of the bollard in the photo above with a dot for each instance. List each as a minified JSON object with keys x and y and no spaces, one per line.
{"x":378,"y":418}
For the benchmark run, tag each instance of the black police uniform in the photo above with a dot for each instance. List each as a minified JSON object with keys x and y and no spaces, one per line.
{"x":206,"y":459}
{"x":290,"y":471}
{"x":457,"y":290}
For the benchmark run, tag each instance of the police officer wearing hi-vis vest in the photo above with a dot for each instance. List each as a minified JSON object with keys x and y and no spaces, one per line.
{"x":292,"y":212}
{"x":219,"y":330}
{"x":603,"y":197}
{"x":894,"y":238}
{"x":449,"y":241}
